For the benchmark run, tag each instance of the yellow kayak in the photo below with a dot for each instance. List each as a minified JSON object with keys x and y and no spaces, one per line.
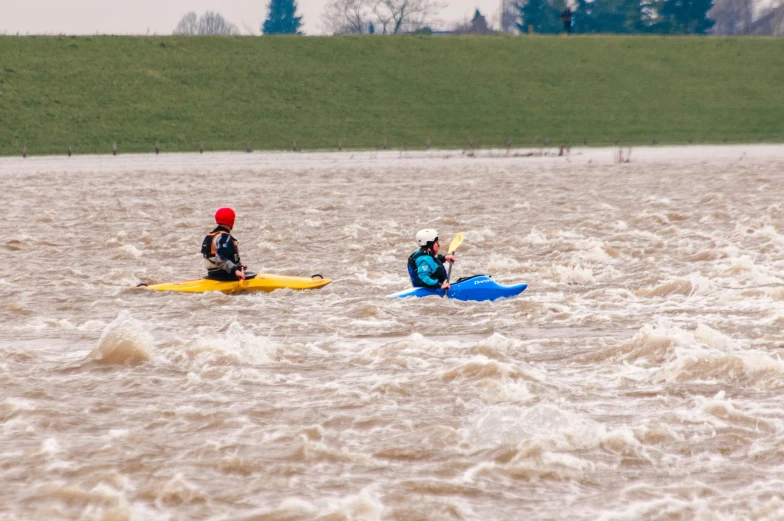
{"x":261,"y":282}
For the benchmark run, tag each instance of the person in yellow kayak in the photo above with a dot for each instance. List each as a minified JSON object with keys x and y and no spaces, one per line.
{"x":426,"y":266}
{"x":219,"y":248}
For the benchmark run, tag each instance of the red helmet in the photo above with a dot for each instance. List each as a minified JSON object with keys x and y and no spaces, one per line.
{"x":225,"y":216}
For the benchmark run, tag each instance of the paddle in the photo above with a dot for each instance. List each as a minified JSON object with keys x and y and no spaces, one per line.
{"x":456,"y":242}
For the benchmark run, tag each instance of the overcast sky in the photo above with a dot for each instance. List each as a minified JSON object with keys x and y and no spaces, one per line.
{"x":160,"y":16}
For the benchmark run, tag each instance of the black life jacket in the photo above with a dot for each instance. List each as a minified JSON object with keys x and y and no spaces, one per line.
{"x":208,"y":244}
{"x":440,"y":274}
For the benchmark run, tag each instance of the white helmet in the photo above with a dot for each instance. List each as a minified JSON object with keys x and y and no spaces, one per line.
{"x":425,"y":236}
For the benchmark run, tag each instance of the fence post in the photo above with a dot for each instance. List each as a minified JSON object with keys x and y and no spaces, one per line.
{"x":157,"y":147}
{"x":24,"y":150}
{"x":340,"y":145}
{"x":114,"y":148}
{"x":429,"y":143}
{"x":385,"y":143}
{"x":294,"y":145}
{"x":201,"y":147}
{"x":69,"y":150}
{"x":247,"y":147}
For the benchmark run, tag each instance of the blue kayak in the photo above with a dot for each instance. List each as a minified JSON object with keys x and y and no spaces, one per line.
{"x":478,"y":287}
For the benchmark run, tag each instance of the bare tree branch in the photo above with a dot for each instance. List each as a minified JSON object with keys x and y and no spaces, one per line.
{"x":188,"y":25}
{"x":347,"y":16}
{"x":213,"y":23}
{"x":392,"y":16}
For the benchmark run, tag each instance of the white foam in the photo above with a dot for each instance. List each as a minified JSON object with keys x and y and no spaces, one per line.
{"x":574,"y":274}
{"x":128,"y":251}
{"x":179,"y":491}
{"x":125,"y":340}
{"x":235,"y":346}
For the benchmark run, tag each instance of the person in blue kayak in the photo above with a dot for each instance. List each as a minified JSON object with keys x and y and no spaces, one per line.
{"x":219,"y":248}
{"x":426,"y":266}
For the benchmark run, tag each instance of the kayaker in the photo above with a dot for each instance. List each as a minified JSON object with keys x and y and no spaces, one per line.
{"x":426,"y":266}
{"x":219,"y":248}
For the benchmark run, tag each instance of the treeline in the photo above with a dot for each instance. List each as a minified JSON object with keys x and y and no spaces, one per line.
{"x":618,"y":16}
{"x":729,"y":17}
{"x":281,"y":19}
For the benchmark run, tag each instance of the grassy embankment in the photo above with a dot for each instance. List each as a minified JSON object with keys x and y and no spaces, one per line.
{"x":92,"y":91}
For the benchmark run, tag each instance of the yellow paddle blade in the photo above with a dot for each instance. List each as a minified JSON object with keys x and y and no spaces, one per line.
{"x":457,"y":241}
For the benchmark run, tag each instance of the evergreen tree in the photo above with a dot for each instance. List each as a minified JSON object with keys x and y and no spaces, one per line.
{"x":540,"y":14}
{"x":281,"y":19}
{"x":683,"y":16}
{"x":611,"y":16}
{"x":479,"y":24}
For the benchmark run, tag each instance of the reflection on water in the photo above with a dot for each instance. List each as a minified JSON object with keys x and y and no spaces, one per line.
{"x":638,"y":378}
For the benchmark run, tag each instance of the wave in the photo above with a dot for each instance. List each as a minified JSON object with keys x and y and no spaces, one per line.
{"x":123,"y":341}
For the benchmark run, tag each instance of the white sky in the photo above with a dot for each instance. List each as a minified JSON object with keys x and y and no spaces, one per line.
{"x":160,"y":16}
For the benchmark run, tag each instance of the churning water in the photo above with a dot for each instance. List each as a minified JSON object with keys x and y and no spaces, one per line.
{"x":638,"y":378}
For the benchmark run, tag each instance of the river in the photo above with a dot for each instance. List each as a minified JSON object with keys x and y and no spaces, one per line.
{"x":639,"y":377}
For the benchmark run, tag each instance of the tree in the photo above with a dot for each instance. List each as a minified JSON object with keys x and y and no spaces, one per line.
{"x":384,"y":16}
{"x":683,"y":16}
{"x":479,"y":24}
{"x":732,"y":16}
{"x":213,"y":23}
{"x":541,"y":15}
{"x":281,"y":18}
{"x":188,"y":25}
{"x":209,"y":23}
{"x":509,"y":15}
{"x":347,"y":17}
{"x":611,"y":16}
{"x":396,"y":16}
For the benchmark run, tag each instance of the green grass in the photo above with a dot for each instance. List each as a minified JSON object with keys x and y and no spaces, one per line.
{"x":92,"y":91}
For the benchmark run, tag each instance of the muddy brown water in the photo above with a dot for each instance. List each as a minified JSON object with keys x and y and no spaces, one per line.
{"x":638,"y":378}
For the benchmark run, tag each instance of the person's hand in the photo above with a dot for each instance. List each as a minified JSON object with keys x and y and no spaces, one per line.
{"x":445,"y":285}
{"x":450,"y":258}
{"x":240,"y":275}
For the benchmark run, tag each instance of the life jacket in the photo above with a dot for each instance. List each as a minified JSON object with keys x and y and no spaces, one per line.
{"x":413,"y":272}
{"x":208,"y":245}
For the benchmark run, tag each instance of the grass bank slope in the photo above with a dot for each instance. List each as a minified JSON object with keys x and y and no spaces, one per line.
{"x":92,"y":91}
